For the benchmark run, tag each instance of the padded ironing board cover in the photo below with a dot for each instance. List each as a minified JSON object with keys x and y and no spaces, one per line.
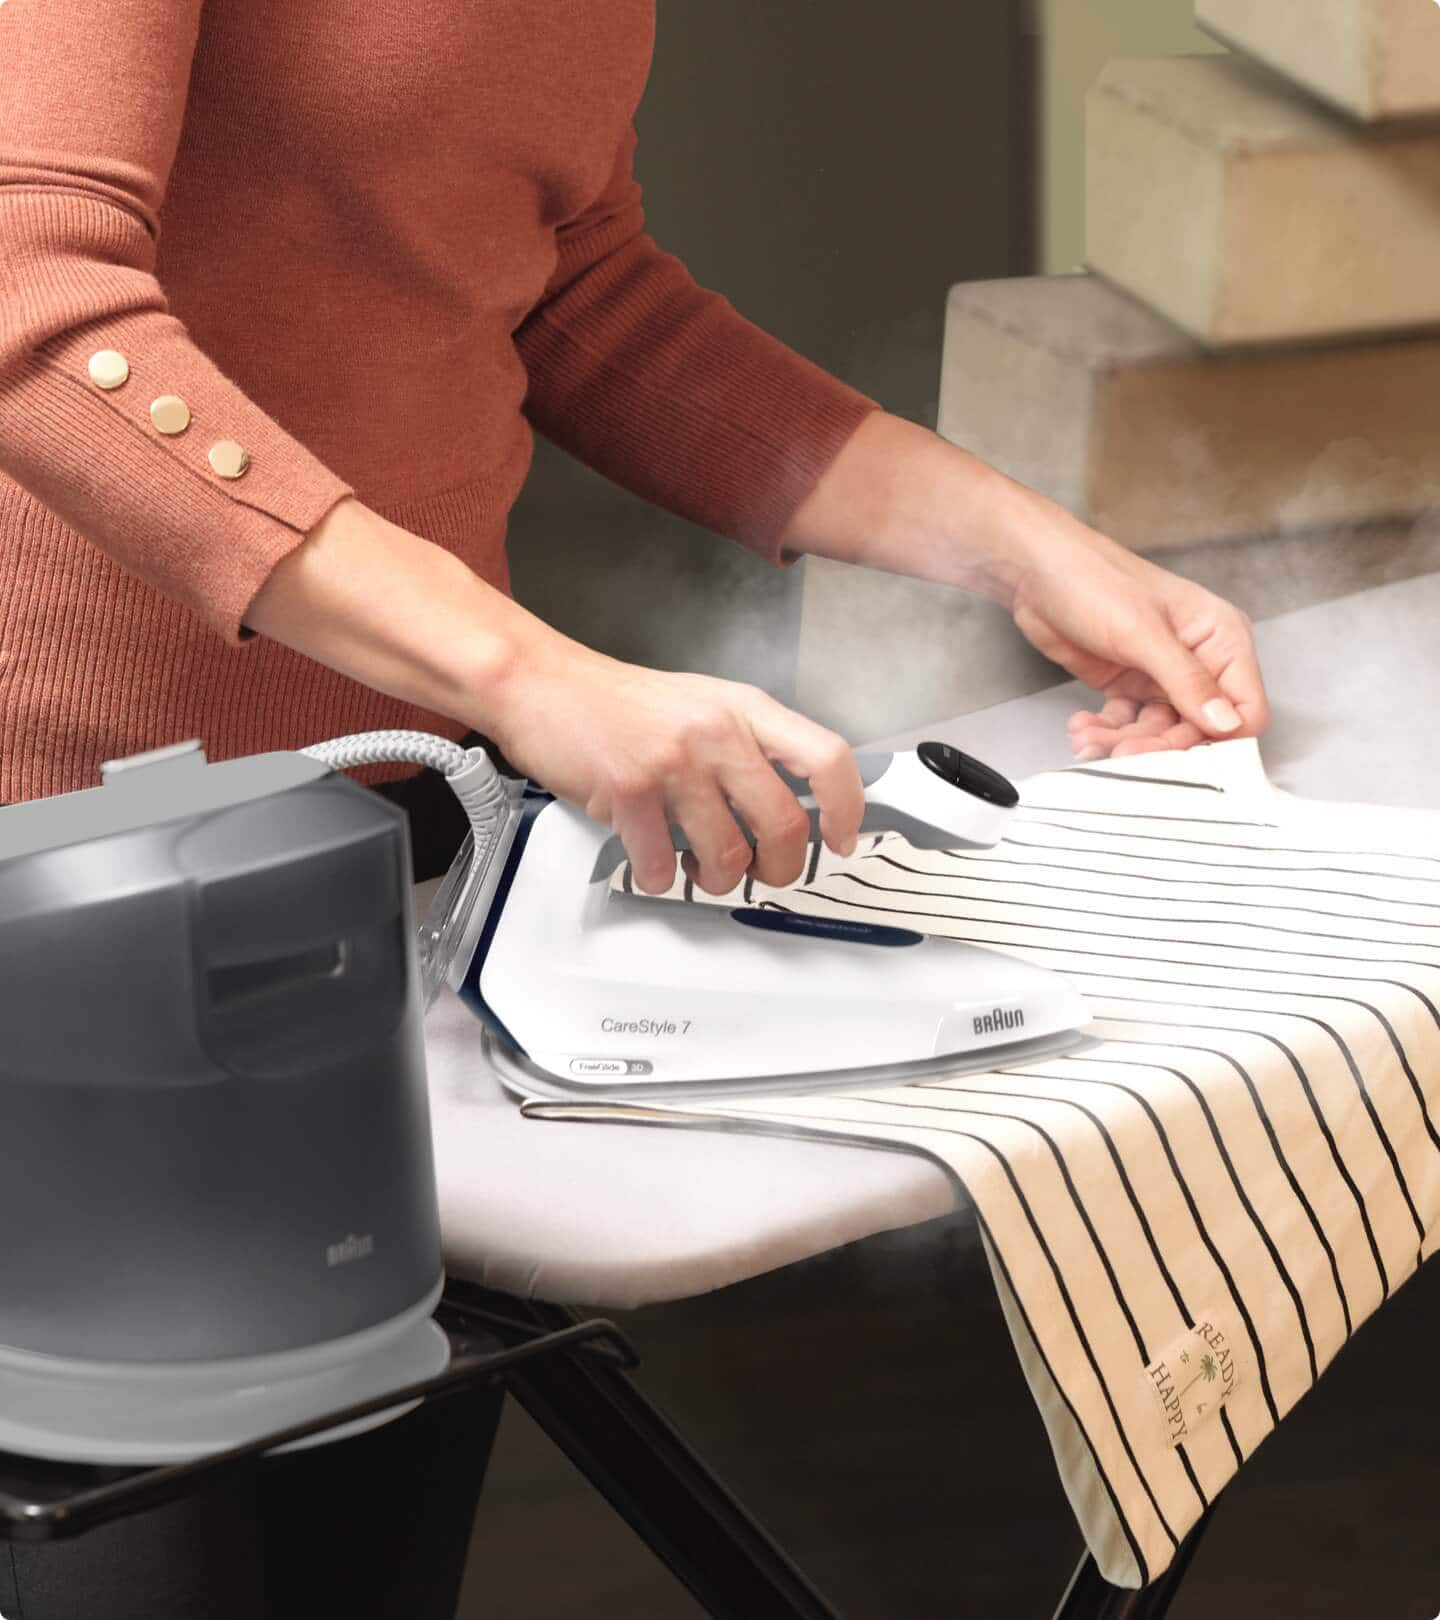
{"x":1187,"y":1220}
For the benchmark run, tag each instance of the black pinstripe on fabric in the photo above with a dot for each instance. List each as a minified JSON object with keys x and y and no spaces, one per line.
{"x":1380,"y":1131}
{"x":1158,"y":939}
{"x":1254,"y":1092}
{"x":814,"y":865}
{"x":1262,"y":1035}
{"x":1184,"y":1188}
{"x":1307,"y":1018}
{"x":1153,"y":781}
{"x":1256,"y":1222}
{"x":1026,"y":813}
{"x":1140,"y":877}
{"x":1250,"y":849}
{"x":1200,"y":944}
{"x":1217,"y":1137}
{"x":1150,"y":877}
{"x":1329,"y":1029}
{"x":1275,"y":849}
{"x":1214,"y":967}
{"x":987,"y":859}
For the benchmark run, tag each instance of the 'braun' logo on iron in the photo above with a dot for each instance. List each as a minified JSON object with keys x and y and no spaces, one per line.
{"x":1000,"y":1018}
{"x":349,"y":1248}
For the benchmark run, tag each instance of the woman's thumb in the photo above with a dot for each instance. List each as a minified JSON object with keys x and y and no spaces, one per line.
{"x":1188,"y":685}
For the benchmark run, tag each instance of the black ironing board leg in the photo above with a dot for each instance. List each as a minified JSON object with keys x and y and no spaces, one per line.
{"x":592,"y":1410}
{"x":594,"y":1413}
{"x":1090,"y":1597}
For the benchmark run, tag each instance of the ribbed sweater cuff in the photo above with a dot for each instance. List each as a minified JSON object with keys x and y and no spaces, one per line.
{"x":150,"y":500}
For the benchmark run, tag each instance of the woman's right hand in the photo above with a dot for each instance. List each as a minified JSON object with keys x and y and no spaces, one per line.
{"x":639,"y":748}
{"x":634,"y":748}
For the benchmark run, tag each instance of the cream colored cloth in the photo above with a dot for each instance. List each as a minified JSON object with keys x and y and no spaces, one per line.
{"x":1188,"y":1219}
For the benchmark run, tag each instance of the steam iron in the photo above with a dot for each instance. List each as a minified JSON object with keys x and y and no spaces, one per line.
{"x":584,"y":990}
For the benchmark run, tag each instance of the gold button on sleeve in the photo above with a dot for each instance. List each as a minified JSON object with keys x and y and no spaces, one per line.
{"x":170,"y":414}
{"x":108,"y":368}
{"x":228,"y":458}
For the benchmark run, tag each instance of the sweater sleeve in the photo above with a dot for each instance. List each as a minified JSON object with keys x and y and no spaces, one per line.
{"x":663,"y":387}
{"x":200,"y":499}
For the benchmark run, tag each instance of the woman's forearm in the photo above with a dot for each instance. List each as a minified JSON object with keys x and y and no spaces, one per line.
{"x":1180,"y":661}
{"x":394,"y":611}
{"x":900,"y":498}
{"x":635,"y":748}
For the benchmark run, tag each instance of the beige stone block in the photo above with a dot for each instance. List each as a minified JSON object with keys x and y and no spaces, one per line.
{"x":1077,"y":390}
{"x":1372,"y":58}
{"x":1248,"y":214}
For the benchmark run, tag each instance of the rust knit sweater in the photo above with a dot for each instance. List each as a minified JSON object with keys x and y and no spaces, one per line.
{"x":371,"y":246}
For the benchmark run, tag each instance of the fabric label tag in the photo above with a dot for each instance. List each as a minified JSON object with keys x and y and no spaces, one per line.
{"x":1193,"y":1379}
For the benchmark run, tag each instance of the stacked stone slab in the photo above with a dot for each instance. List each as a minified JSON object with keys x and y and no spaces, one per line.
{"x":1248,"y":215}
{"x":1080,"y":391}
{"x":1255,"y":349}
{"x":1256,"y":343}
{"x":1372,"y":58}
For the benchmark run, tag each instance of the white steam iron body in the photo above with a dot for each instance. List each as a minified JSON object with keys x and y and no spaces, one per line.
{"x":584,"y":989}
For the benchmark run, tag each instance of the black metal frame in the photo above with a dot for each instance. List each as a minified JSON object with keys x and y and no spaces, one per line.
{"x":1090,"y":1596}
{"x":48,"y":1501}
{"x":572,"y":1377}
{"x":633,"y":1456}
{"x":674,"y":1502}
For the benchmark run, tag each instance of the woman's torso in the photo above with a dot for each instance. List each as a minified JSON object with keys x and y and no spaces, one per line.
{"x":361,"y":211}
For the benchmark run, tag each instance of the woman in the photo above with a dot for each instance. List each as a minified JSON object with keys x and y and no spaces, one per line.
{"x":284,"y":290}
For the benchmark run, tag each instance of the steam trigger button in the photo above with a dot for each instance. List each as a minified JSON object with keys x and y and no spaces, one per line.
{"x":968,"y":774}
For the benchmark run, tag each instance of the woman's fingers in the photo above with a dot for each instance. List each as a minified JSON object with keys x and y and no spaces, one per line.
{"x":697,"y":753}
{"x":1242,"y":681}
{"x":1135,"y":686}
{"x":1119,"y":711}
{"x":1095,"y":735}
{"x":1187,"y":683}
{"x":1153,"y":719}
{"x":1090,"y":729}
{"x":773,"y":813}
{"x":824,"y":759}
{"x":1181,"y":735}
{"x":721,"y":850}
{"x":644,"y":830}
{"x":1156,"y":726}
{"x":1128,"y":746}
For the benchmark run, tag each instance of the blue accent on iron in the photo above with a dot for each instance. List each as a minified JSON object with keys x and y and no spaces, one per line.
{"x":533,"y":803}
{"x":841,"y":928}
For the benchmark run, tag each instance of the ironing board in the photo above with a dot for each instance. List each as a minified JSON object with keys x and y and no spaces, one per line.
{"x":565,"y":1212}
{"x":552,"y":1212}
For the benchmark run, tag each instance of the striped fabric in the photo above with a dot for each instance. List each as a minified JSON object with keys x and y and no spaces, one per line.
{"x":1187,"y":1219}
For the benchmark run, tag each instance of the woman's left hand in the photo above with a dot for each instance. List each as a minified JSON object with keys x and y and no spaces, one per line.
{"x":1175,"y":663}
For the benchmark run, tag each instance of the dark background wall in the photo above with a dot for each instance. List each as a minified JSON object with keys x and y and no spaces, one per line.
{"x":832,"y":166}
